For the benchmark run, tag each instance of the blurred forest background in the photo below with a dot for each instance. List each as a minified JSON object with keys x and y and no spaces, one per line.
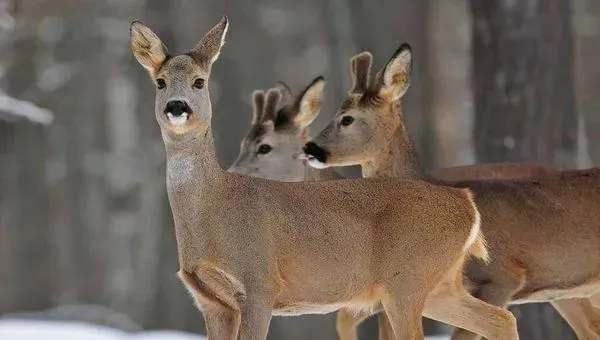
{"x":85,"y":226}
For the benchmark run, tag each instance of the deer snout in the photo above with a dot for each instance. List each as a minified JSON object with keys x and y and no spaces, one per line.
{"x":317,"y":156}
{"x":177,"y":108}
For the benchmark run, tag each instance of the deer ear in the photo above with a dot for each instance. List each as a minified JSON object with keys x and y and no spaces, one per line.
{"x":287,"y":98}
{"x":209,"y":47}
{"x":395,"y":77}
{"x":309,"y":103}
{"x":258,"y":104}
{"x":147,"y":47}
{"x":360,"y":68}
{"x":272,"y":99}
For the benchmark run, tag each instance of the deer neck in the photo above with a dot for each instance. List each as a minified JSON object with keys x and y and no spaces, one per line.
{"x":397,"y":159}
{"x":192,"y":165}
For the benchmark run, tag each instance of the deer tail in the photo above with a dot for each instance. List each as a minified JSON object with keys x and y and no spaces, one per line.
{"x":476,"y":245}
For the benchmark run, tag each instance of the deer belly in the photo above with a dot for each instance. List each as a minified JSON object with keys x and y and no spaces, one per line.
{"x":584,"y":290}
{"x":368,"y":299}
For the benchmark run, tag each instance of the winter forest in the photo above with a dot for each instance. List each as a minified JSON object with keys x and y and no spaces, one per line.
{"x":86,"y":231}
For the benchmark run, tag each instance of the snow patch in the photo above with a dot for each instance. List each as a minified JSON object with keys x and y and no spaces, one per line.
{"x":42,"y":330}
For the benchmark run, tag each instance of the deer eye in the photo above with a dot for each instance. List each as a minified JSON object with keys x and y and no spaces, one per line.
{"x":264,"y":149}
{"x":199,"y":83}
{"x":161,"y":83}
{"x":347,"y":120}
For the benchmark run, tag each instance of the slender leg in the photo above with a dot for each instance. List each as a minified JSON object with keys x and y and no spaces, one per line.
{"x":494,"y":295}
{"x":256,"y":317}
{"x":581,"y":315}
{"x":386,"y":331}
{"x":595,"y":300}
{"x":222,"y":320}
{"x":347,"y":323}
{"x":403,"y":310}
{"x":222,"y":324}
{"x":463,"y":310}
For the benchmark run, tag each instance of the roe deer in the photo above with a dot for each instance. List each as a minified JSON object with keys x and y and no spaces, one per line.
{"x":273,"y":145}
{"x":543,"y":232}
{"x":319,"y":246}
{"x":284,"y":131}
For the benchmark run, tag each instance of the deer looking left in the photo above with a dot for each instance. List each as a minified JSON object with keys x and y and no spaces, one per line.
{"x":320,"y":246}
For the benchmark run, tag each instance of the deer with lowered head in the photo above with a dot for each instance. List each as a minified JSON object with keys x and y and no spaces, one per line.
{"x":543,"y":231}
{"x":319,"y":246}
{"x":272,"y":148}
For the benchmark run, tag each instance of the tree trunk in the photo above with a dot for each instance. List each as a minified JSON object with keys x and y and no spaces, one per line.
{"x":524,"y":103}
{"x":449,"y":69}
{"x":523,"y":81}
{"x":586,"y":19}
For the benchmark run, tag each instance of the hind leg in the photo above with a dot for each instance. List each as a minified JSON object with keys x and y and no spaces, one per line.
{"x":403,"y":306}
{"x":451,"y":303}
{"x":347,"y":323}
{"x":581,"y":315}
{"x":494,"y":294}
{"x":595,"y":300}
{"x":385,"y":327}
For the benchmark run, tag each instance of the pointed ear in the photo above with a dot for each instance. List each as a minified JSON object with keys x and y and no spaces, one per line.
{"x":360,"y":68}
{"x":147,"y":47}
{"x":258,"y":104}
{"x":273,"y":97}
{"x":287,"y":98}
{"x":208,"y":49}
{"x":309,"y":103}
{"x":395,"y":77}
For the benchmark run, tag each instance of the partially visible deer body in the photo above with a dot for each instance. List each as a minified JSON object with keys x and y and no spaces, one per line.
{"x":272,"y":148}
{"x":493,"y":171}
{"x":543,"y":232}
{"x":319,"y":246}
{"x":275,"y":140}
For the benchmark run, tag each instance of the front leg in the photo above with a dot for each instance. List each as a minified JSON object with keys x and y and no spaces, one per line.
{"x":222,"y":320}
{"x":221,"y":323}
{"x":256,"y":312}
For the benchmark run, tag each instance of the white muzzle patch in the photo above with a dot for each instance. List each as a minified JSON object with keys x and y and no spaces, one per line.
{"x":315,"y":163}
{"x":178,"y":120}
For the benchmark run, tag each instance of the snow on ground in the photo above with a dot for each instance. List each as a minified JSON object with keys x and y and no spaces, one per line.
{"x":42,"y":330}
{"x":50,"y":330}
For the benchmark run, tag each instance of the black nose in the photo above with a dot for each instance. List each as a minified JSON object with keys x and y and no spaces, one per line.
{"x":177,"y":108}
{"x":313,"y":150}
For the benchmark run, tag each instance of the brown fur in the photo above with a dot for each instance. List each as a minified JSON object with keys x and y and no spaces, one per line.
{"x":493,"y":171}
{"x":244,"y":262}
{"x":543,"y":229}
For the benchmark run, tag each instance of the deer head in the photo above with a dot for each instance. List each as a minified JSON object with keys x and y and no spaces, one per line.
{"x":279,"y":130}
{"x":369,"y":118}
{"x":182,"y":104}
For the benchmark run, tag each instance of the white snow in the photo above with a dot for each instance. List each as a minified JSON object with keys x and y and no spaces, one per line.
{"x":50,"y":330}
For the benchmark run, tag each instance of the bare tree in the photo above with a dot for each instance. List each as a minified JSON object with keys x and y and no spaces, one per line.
{"x":524,"y":102}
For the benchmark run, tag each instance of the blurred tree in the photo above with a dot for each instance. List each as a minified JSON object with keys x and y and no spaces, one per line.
{"x":452,"y":107}
{"x":524,"y":103}
{"x":586,"y":21}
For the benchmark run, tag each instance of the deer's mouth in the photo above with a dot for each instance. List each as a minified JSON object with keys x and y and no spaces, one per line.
{"x":315,"y":155}
{"x":178,"y":119}
{"x":178,"y":112}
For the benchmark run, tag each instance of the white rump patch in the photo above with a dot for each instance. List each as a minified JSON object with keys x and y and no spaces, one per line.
{"x":177,"y":120}
{"x":475,"y":229}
